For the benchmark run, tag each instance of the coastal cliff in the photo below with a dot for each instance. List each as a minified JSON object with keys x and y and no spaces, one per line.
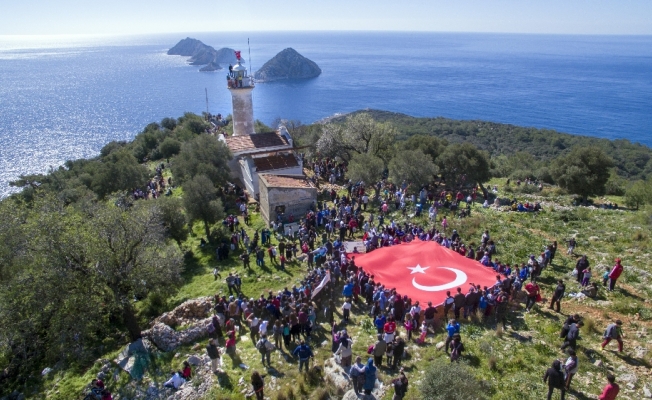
{"x":202,"y":54}
{"x":288,"y":64}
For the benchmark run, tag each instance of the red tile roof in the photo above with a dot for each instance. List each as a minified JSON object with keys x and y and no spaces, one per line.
{"x":287,"y":181}
{"x":278,"y":161}
{"x":257,"y":141}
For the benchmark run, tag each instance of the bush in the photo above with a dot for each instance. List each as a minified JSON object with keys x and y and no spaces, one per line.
{"x":445,"y":381}
{"x":169,"y":147}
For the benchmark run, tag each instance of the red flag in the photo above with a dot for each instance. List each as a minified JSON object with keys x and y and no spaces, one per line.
{"x":424,"y":271}
{"x":237,"y":54}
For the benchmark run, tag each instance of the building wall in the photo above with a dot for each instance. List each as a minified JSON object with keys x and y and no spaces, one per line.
{"x":296,"y":201}
{"x":243,"y":111}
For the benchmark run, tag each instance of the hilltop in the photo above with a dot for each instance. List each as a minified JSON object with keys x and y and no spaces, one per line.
{"x":65,"y":242}
{"x":288,"y":64}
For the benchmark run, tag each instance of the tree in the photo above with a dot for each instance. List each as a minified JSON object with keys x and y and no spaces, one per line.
{"x":118,"y":171}
{"x":174,"y":219}
{"x":201,"y":202}
{"x":413,"y":167}
{"x":359,"y":134}
{"x":638,"y":194}
{"x":583,"y":171}
{"x":169,"y":147}
{"x":445,"y":380}
{"x":205,"y":155}
{"x":134,"y":259}
{"x":366,"y":168}
{"x":463,"y":163}
{"x":430,"y":145}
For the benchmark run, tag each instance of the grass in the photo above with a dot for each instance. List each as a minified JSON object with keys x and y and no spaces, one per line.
{"x":512,"y":361}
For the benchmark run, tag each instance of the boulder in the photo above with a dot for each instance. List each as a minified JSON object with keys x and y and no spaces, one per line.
{"x":187,"y":312}
{"x":167,"y":339}
{"x":440,"y":345}
{"x":336,"y":375}
{"x":194,"y":360}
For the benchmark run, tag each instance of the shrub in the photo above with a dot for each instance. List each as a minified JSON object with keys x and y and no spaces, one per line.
{"x":169,"y":147}
{"x":444,"y":381}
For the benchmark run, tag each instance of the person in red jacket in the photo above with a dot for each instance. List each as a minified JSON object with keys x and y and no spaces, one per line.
{"x":611,"y":390}
{"x":615,"y":274}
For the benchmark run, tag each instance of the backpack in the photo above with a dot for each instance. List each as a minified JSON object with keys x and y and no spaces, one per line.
{"x":261,"y":345}
{"x":210,"y":328}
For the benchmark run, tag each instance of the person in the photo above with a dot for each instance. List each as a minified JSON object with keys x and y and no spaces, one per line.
{"x":369,"y":377}
{"x":452,"y":328}
{"x":345,"y":352}
{"x":533,"y":291}
{"x":230,"y":344}
{"x":586,"y":277}
{"x":213,"y":353}
{"x":258,"y":385}
{"x":456,"y":347}
{"x":605,"y":276}
{"x":572,"y":335}
{"x":106,"y":395}
{"x":557,"y":295}
{"x":613,"y":332}
{"x":571,"y":246}
{"x":346,"y":310}
{"x":580,"y":266}
{"x":265,"y":348}
{"x":389,"y":329}
{"x":398,"y":350}
{"x":424,"y":333}
{"x":571,"y":366}
{"x":175,"y":381}
{"x":400,"y":385}
{"x":429,"y":315}
{"x":186,"y":373}
{"x":357,"y":375}
{"x":615,"y":274}
{"x":277,"y":332}
{"x":380,"y":347}
{"x":611,"y":390}
{"x":555,"y":379}
{"x":304,"y":353}
{"x":448,"y":303}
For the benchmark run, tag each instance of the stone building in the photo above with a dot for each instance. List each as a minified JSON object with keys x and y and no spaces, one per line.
{"x":285,"y":195}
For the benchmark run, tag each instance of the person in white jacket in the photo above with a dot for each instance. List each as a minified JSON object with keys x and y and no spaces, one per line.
{"x":175,"y":381}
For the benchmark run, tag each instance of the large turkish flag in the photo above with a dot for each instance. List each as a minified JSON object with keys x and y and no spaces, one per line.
{"x":424,"y":271}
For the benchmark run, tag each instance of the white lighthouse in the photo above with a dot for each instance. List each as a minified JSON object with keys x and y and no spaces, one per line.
{"x":241,"y":85}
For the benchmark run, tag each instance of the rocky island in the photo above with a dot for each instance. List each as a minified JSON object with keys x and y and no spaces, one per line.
{"x":202,"y":54}
{"x":288,"y":64}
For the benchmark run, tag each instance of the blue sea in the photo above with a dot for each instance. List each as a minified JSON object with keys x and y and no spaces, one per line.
{"x":65,"y":97}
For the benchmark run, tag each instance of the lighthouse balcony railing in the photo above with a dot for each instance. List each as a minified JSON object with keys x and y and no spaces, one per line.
{"x":240,"y":83}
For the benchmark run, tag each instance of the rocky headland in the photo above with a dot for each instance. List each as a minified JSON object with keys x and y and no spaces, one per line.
{"x":288,"y":64}
{"x":202,"y":54}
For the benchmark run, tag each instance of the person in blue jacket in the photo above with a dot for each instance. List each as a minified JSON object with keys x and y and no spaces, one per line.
{"x":304,"y":353}
{"x":452,"y":328}
{"x":379,"y":322}
{"x":348,"y":290}
{"x":369,"y":377}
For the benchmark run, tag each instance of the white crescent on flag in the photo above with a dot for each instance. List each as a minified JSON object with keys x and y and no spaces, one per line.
{"x":460,"y":279}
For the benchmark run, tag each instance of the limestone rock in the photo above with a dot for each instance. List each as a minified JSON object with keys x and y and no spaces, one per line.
{"x":187,"y":312}
{"x":598,"y":363}
{"x":647,"y":392}
{"x":167,"y":339}
{"x":440,"y":345}
{"x":194,"y":360}
{"x":336,"y":375}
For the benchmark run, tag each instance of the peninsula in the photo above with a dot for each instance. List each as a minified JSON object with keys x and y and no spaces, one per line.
{"x":288,"y":64}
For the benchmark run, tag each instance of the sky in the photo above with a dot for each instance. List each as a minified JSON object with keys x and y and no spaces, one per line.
{"x":120,"y":17}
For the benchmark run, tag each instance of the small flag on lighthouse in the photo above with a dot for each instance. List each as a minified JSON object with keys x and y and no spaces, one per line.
{"x":237,"y":55}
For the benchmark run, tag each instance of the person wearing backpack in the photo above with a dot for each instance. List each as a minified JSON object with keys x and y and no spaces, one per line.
{"x":555,"y":379}
{"x":572,"y":335}
{"x":613,"y":332}
{"x":265,"y":348}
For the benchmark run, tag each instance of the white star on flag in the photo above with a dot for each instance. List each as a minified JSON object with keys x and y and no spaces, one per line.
{"x":418,"y":269}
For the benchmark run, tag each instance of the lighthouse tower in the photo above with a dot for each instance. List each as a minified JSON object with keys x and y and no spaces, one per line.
{"x":241,"y":85}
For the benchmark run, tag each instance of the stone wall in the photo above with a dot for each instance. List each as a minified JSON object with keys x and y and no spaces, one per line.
{"x":296,"y":201}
